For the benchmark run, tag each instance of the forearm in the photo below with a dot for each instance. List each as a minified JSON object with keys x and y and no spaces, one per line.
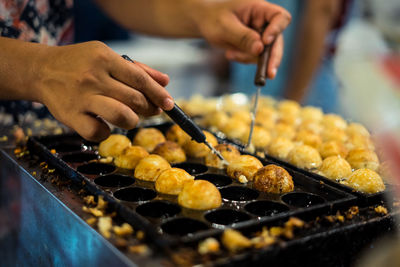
{"x":317,"y":21}
{"x":158,"y":17}
{"x":18,"y":69}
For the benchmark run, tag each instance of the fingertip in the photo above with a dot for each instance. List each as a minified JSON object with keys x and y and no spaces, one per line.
{"x":272,"y":73}
{"x":257,"y":48}
{"x":168,"y":104}
{"x":269,"y":39}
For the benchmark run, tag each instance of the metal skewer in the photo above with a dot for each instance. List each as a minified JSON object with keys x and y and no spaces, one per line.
{"x":259,"y":81}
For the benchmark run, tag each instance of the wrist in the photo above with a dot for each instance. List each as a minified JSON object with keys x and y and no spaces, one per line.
{"x":37,"y":71}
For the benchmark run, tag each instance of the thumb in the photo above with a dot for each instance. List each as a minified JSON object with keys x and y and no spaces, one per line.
{"x":241,"y":37}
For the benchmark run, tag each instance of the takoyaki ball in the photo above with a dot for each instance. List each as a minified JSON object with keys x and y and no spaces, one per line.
{"x":332,"y":148}
{"x":310,"y":113}
{"x":283,"y":130}
{"x":335,"y":167}
{"x":113,"y":145}
{"x":334,"y":121}
{"x":233,"y":102}
{"x":243,"y":168}
{"x":363,"y":159}
{"x":335,"y":134}
{"x":266,"y":101}
{"x":273,"y":179}
{"x":171,"y":181}
{"x":199,"y":150}
{"x":198,"y":105}
{"x":177,"y":135}
{"x":242,"y":115}
{"x":150,"y":167}
{"x":366,"y":180}
{"x":130,"y":157}
{"x":200,"y":195}
{"x":217,"y":119}
{"x":357,"y":129}
{"x":234,"y":129}
{"x":311,"y":126}
{"x":358,"y":142}
{"x":289,"y":107}
{"x":289,"y":119}
{"x":280,"y":147}
{"x":308,"y":138}
{"x":305,"y":157}
{"x":170,"y":151}
{"x":260,"y":138}
{"x":148,"y":138}
{"x":266,"y":117}
{"x":229,"y":153}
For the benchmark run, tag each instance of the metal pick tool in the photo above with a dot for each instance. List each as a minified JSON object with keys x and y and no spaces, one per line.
{"x":259,"y":81}
{"x":216,"y":152}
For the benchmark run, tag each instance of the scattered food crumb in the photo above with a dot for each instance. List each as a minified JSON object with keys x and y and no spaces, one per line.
{"x":89,"y":200}
{"x":276,"y":231}
{"x":53,"y":151}
{"x":106,"y":160}
{"x":104,"y":225}
{"x":234,"y":240}
{"x":243,"y":179}
{"x":140,"y":235}
{"x":121,"y":243}
{"x":139,"y":249}
{"x":381,"y":210}
{"x":34,"y":173}
{"x":101,"y":203}
{"x":351,"y":212}
{"x":91,"y":221}
{"x":263,"y":239}
{"x":294,"y":222}
{"x":396,"y":204}
{"x":51,"y":170}
{"x":4,"y":138}
{"x":209,"y":245}
{"x":123,"y":230}
{"x":93,"y":211}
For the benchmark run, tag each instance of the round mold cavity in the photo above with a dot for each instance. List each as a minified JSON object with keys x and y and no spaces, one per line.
{"x":217,"y":179}
{"x":303,"y":200}
{"x":158,"y":209}
{"x":265,"y":208}
{"x":114,"y":180}
{"x":96,"y":168}
{"x":192,"y":168}
{"x":238,"y":193}
{"x":183,"y":226}
{"x":226,"y":216}
{"x":79,"y":157}
{"x":66,"y":147}
{"x":135,"y":194}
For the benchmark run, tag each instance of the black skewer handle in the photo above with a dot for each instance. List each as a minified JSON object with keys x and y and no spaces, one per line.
{"x":183,"y":120}
{"x":186,"y":123}
{"x":262,"y":64}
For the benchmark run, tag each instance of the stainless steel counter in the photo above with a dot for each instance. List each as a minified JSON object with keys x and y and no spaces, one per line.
{"x":37,"y":229}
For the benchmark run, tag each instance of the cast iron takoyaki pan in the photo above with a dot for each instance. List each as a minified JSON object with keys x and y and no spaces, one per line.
{"x":160,"y":216}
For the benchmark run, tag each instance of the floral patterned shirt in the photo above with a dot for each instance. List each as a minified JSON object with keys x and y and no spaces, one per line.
{"x":42,"y":21}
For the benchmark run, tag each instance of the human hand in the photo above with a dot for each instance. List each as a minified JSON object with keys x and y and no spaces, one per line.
{"x":85,"y":84}
{"x":235,"y":25}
